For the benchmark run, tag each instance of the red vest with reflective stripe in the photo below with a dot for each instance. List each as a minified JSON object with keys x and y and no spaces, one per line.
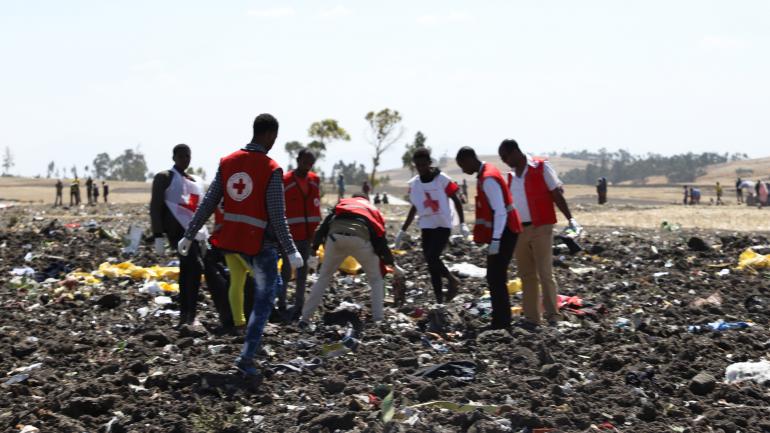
{"x":362,"y":207}
{"x":540,"y":201}
{"x":244,"y":177}
{"x":303,"y":212}
{"x":482,"y":230}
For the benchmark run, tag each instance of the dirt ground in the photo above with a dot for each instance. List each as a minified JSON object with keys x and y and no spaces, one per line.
{"x":86,"y":356}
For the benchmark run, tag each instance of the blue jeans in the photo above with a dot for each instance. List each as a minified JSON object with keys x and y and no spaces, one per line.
{"x":264,"y":268}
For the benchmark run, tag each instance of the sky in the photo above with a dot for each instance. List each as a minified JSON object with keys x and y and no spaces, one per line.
{"x":82,"y":77}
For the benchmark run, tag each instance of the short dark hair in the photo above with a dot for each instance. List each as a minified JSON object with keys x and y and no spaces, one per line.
{"x":509,"y":145}
{"x":180,"y":147}
{"x":465,"y":152}
{"x":421,"y":153}
{"x":265,"y":123}
{"x":305,"y":151}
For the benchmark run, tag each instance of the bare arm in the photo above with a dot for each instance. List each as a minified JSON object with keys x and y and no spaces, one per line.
{"x":409,"y":218}
{"x":458,"y":207}
{"x":158,"y":201}
{"x":561,"y":203}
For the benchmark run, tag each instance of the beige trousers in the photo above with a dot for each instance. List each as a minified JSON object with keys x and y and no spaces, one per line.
{"x":335,"y":252}
{"x":534,"y":260}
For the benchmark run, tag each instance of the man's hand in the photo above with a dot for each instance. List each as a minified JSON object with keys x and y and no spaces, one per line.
{"x":399,"y":236}
{"x":184,"y":246}
{"x":494,"y":247}
{"x":575,"y":227}
{"x":295,"y":260}
{"x":160,"y":246}
{"x":464,"y":230}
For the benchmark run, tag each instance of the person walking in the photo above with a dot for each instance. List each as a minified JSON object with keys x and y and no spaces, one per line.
{"x":175,"y":196}
{"x":535,"y":189}
{"x":497,"y":224}
{"x":355,"y":228}
{"x":303,"y":214}
{"x":340,"y":186}
{"x":59,"y":189}
{"x":739,"y":190}
{"x":105,"y":190}
{"x":430,"y":193}
{"x":249,"y":184}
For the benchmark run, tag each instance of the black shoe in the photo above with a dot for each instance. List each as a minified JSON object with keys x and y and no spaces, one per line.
{"x":247,"y":368}
{"x":527,"y":325}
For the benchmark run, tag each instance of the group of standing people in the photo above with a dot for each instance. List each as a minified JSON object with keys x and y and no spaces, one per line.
{"x":262,"y":214}
{"x":92,"y":192}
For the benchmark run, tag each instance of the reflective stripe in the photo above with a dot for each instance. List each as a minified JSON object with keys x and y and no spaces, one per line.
{"x":246,"y":219}
{"x":302,"y":220}
{"x":483,"y":222}
{"x":289,"y":186}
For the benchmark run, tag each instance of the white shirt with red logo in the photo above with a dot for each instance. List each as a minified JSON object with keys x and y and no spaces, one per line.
{"x":182,"y":197}
{"x":431,"y":199}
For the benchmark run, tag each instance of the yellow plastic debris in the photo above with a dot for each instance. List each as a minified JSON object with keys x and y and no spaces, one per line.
{"x":128,"y":269}
{"x":517,"y":310}
{"x":514,"y":286}
{"x":349,"y":266}
{"x":752,"y":261}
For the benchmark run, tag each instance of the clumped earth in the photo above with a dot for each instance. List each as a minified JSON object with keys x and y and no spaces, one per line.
{"x":93,"y":364}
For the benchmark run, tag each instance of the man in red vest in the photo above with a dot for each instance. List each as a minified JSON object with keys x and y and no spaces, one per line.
{"x":355,"y":228}
{"x":303,"y":213}
{"x":253,"y":225}
{"x":497,"y":224}
{"x":535,"y":188}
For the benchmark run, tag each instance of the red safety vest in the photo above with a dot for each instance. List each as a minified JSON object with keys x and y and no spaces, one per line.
{"x":482,"y":229}
{"x":539,"y":198}
{"x":244,"y":177}
{"x":362,"y":207}
{"x":303,"y":212}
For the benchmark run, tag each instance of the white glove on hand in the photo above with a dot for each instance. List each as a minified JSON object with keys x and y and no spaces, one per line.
{"x":399,"y":236}
{"x":464,"y":230}
{"x":494,"y":247}
{"x":295,"y":260}
{"x":573,"y":224}
{"x":184,"y":246}
{"x":398,"y":271}
{"x":160,"y":246}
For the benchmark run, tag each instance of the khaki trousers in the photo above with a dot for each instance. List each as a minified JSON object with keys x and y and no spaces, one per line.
{"x":534,"y":260}
{"x":336,"y":249}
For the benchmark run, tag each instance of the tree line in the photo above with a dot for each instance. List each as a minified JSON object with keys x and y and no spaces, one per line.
{"x":621,"y":166}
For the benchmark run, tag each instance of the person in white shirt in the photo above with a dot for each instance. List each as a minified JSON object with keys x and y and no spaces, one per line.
{"x":535,"y":188}
{"x":497,"y":224}
{"x":430,"y":193}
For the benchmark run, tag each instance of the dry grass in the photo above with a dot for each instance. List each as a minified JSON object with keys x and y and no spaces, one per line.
{"x":44,"y":191}
{"x":731,"y":218}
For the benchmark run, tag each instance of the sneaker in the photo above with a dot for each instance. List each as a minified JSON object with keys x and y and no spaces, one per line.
{"x":247,"y":368}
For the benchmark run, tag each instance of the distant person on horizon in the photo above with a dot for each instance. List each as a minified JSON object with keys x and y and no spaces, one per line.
{"x":366,"y":188}
{"x":762,"y":192}
{"x":719,"y":192}
{"x":95,"y":191}
{"x":89,"y":190}
{"x":340,"y":186}
{"x":498,"y":225}
{"x":739,"y":190}
{"x":686,"y":199}
{"x":601,"y":190}
{"x":105,"y":190}
{"x":59,"y":188}
{"x":75,"y":192}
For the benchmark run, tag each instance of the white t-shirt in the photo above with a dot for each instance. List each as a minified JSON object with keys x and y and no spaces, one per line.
{"x":519,"y":193}
{"x":431,"y":199}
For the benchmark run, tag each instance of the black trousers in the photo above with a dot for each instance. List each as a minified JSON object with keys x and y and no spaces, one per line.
{"x":497,"y":279}
{"x":434,"y":241}
{"x":191,"y":267}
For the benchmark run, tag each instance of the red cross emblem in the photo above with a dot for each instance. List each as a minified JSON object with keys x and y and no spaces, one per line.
{"x":431,"y":203}
{"x":239,"y":186}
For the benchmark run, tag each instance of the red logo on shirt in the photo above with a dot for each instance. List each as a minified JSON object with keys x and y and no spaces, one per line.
{"x":191,"y":202}
{"x":430,"y":203}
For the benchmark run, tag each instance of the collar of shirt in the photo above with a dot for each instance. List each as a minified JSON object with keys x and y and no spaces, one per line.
{"x":255,"y":147}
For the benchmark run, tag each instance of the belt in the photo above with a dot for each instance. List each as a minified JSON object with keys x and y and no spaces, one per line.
{"x":527,"y":224}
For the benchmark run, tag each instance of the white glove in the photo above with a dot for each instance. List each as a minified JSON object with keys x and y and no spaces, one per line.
{"x":312,"y":262}
{"x":160,"y":246}
{"x":398,"y":270}
{"x":399,"y":236}
{"x":573,"y":224}
{"x":295,"y":260}
{"x":494,"y":247}
{"x":464,"y":230}
{"x":184,"y":246}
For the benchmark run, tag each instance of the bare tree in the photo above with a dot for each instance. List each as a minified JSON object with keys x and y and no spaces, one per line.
{"x":385,"y":129}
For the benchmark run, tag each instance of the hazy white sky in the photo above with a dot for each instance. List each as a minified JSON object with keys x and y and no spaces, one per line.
{"x":81,"y":77}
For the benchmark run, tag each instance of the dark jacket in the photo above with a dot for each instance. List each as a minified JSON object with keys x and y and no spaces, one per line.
{"x":161,"y":218}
